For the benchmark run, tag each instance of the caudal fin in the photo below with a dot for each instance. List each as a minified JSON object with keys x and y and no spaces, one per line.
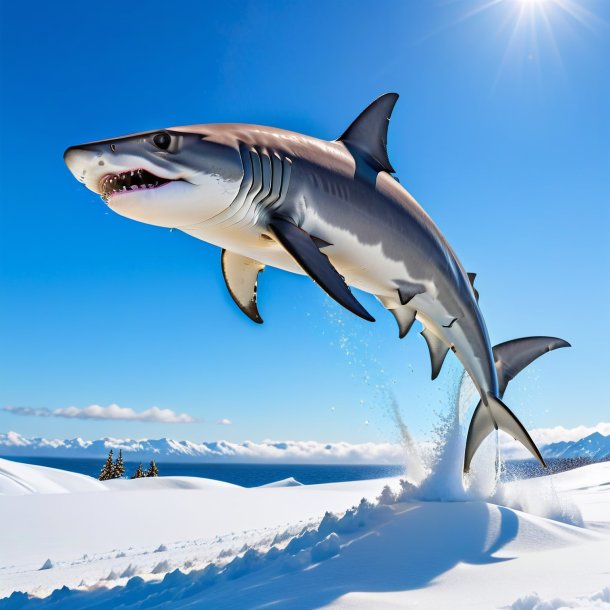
{"x":513,"y":356}
{"x":496,"y":415}
{"x":510,"y":359}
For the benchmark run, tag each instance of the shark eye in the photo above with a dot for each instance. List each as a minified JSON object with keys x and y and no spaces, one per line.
{"x":162,"y":140}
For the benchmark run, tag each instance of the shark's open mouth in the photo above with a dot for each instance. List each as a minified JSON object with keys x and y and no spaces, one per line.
{"x":130,"y":181}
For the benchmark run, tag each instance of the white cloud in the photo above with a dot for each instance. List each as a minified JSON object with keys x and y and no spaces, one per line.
{"x":224,"y":422}
{"x":114,"y":412}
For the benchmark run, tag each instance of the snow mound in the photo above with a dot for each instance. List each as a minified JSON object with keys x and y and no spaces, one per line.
{"x":289,"y":482}
{"x":166,"y":483}
{"x":598,"y":601}
{"x":21,"y":479}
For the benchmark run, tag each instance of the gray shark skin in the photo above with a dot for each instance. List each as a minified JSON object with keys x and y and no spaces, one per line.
{"x":331,"y":210}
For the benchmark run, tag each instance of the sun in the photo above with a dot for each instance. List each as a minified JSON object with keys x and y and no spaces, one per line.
{"x":531,"y":29}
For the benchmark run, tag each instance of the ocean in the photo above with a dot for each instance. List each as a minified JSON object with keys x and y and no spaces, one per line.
{"x":246,"y":475}
{"x":253,"y":475}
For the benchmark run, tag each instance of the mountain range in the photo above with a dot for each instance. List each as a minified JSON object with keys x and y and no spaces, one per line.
{"x":13,"y":444}
{"x":595,"y":447}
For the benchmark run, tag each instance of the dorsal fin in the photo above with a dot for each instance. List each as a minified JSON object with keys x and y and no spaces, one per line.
{"x":368,"y":134}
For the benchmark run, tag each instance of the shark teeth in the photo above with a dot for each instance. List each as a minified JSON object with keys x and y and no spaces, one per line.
{"x":129,"y":182}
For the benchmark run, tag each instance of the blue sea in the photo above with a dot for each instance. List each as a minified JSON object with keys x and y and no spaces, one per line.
{"x":253,"y":475}
{"x":246,"y":475}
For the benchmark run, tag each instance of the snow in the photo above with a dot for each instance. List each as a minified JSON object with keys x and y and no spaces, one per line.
{"x":174,"y":542}
{"x":289,"y":482}
{"x":18,"y":479}
{"x":600,"y":600}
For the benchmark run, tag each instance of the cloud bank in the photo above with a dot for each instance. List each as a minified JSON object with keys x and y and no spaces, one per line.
{"x":112,"y":412}
{"x":267,"y":451}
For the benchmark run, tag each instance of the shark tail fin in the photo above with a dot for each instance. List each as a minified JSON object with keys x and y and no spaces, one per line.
{"x":510,"y":359}
{"x":493,"y":416}
{"x":513,"y":356}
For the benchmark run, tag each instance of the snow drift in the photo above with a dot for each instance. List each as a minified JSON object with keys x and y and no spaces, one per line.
{"x":183,"y":542}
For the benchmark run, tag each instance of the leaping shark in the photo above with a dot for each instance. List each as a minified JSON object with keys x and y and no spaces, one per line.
{"x":328,"y":209}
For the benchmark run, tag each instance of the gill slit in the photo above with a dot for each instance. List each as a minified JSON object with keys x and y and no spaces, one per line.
{"x":264,"y":186}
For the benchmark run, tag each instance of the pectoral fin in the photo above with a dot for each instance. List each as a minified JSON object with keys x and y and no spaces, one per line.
{"x":300,"y":245}
{"x":241,"y":276}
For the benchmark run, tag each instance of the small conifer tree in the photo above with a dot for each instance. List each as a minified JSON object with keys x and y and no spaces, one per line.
{"x":107,"y":469}
{"x":118,"y":470}
{"x":152,"y":471}
{"x":139,"y":473}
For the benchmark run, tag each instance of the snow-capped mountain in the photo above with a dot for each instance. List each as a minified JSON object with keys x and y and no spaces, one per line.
{"x":596,"y":446}
{"x":311,"y":452}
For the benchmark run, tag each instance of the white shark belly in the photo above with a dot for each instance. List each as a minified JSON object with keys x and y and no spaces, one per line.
{"x":249,"y":244}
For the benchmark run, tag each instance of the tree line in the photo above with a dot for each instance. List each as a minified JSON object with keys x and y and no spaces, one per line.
{"x":115,"y":469}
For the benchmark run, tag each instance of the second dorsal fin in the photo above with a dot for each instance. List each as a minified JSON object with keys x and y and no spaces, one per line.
{"x":368,"y":134}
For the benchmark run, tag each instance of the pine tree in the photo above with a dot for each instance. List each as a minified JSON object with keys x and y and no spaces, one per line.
{"x":118,"y":470}
{"x":152,"y":471}
{"x":107,"y":469}
{"x":139,"y":473}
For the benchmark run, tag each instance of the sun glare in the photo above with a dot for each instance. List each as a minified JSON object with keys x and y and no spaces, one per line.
{"x":533,"y":29}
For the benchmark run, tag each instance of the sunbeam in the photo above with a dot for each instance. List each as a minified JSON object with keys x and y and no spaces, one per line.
{"x":532,"y":29}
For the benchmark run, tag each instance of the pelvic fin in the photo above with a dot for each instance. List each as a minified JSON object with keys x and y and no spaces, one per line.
{"x":405,"y":316}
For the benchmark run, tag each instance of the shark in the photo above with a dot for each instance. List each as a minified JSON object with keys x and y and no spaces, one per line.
{"x":332,"y":210}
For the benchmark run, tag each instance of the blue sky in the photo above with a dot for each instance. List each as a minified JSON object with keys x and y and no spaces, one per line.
{"x":501,"y":133}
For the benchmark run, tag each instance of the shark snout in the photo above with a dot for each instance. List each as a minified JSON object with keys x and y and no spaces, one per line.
{"x":83,"y":163}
